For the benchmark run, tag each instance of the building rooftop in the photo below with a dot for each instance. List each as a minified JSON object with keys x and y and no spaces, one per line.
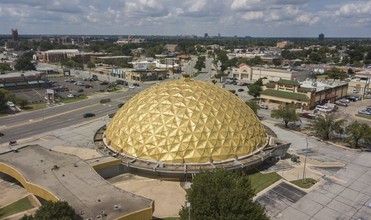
{"x":20,"y":74}
{"x":73,"y":180}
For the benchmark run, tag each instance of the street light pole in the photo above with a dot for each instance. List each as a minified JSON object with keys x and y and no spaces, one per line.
{"x":305,"y":158}
{"x":189,"y":210}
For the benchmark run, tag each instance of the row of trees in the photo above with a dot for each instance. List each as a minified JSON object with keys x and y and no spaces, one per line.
{"x":328,"y":126}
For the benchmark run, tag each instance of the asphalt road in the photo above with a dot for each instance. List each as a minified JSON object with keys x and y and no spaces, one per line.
{"x":28,"y":124}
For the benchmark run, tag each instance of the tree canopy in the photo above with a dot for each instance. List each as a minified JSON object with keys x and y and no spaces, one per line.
{"x":287,"y":113}
{"x":59,"y":210}
{"x":222,"y":195}
{"x":357,"y":131}
{"x":5,"y":96}
{"x":325,"y":124}
{"x":24,"y":62}
{"x":254,"y":90}
{"x":253,"y":105}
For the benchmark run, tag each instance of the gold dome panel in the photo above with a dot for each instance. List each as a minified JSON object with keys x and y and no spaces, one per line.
{"x":185,"y":121}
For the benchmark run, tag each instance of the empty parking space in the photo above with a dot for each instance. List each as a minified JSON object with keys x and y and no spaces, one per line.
{"x":280,"y":197}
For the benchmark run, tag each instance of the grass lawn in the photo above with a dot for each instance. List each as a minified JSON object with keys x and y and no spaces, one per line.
{"x":35,"y":106}
{"x":15,"y":207}
{"x":261,"y":181}
{"x":306,"y":183}
{"x":364,"y":116}
{"x":75,"y":99}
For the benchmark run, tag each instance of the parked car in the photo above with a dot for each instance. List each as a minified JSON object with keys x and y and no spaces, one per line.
{"x":364,"y":112}
{"x":88,"y":115}
{"x":344,"y":100}
{"x":323,"y":108}
{"x":344,"y":104}
{"x":121,"y":82}
{"x":354,"y":98}
{"x":111,"y":115}
{"x":104,"y":83}
{"x":70,"y":80}
{"x":10,"y":104}
{"x":136,"y":84}
{"x":1,"y":134}
{"x":240,"y":90}
{"x":70,"y":95}
{"x":263,"y":106}
{"x":132,"y":87}
{"x":88,"y":86}
{"x":120,"y":105}
{"x":307,"y":115}
{"x":80,"y":90}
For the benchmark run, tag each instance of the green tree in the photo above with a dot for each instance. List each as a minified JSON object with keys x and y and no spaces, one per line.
{"x":254,"y":90}
{"x":357,"y":131}
{"x":90,"y":65}
{"x":253,"y":105}
{"x":287,"y":113}
{"x":21,"y":102}
{"x":59,"y":210}
{"x":222,"y":195}
{"x":24,"y":62}
{"x":4,"y":67}
{"x":5,"y":96}
{"x":200,"y":63}
{"x":325,"y":124}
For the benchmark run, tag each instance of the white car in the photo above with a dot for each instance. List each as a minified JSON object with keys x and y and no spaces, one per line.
{"x":131,"y":87}
{"x":70,"y":95}
{"x":10,"y":104}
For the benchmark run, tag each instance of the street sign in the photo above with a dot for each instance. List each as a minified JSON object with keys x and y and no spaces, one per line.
{"x":50,"y":91}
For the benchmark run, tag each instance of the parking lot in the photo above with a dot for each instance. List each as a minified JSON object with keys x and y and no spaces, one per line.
{"x":69,"y":87}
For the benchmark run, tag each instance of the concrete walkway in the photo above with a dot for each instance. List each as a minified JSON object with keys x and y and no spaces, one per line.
{"x":342,"y":193}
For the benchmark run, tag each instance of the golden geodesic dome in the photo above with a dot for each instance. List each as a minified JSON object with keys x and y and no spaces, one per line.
{"x":185,"y":121}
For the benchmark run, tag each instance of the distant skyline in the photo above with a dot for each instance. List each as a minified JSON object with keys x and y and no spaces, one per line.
{"x":256,"y":18}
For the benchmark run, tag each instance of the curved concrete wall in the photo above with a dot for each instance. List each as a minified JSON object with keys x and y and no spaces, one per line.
{"x":30,"y":187}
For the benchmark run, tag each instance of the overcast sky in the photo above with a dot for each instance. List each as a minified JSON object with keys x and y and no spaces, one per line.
{"x":256,"y":18}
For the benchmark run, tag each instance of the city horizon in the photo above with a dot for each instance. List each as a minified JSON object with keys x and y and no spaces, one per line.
{"x":277,"y":19}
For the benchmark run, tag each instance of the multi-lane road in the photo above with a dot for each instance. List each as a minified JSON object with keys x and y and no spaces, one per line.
{"x":24,"y":125}
{"x":28,"y":124}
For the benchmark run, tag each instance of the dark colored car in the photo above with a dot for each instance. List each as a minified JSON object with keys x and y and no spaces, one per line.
{"x":111,"y":115}
{"x":104,"y":83}
{"x":307,"y":115}
{"x":120,"y":105}
{"x":1,"y":134}
{"x":121,"y":82}
{"x":135,"y":84}
{"x":88,"y":86}
{"x":354,"y":98}
{"x":80,"y":90}
{"x":240,"y":90}
{"x":88,"y":115}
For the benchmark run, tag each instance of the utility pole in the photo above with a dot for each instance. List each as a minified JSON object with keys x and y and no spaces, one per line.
{"x":305,"y":158}
{"x":189,"y":210}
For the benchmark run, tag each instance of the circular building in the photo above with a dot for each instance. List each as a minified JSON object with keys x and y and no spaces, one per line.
{"x":185,"y":123}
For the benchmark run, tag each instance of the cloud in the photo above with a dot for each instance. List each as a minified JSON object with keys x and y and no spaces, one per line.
{"x":228,"y":17}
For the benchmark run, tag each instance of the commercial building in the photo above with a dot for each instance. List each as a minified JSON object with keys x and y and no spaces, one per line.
{"x":180,"y":127}
{"x":58,"y":55}
{"x":360,"y":82}
{"x":304,"y":95}
{"x":248,"y":73}
{"x":147,"y":74}
{"x":22,"y":80}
